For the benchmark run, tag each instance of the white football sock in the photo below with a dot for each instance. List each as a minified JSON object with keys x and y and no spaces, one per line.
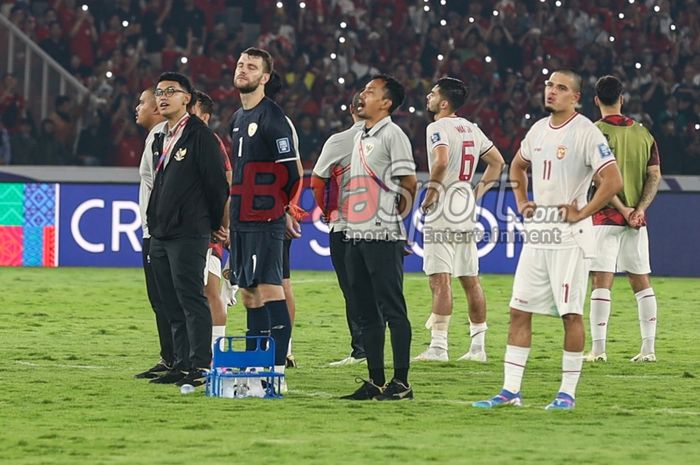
{"x":216,"y":333}
{"x":477,"y":331}
{"x":600,"y":314}
{"x":279,"y":369}
{"x":289,"y":347}
{"x":438,"y":325}
{"x":646,"y":306}
{"x":571,"y":364}
{"x":514,"y":367}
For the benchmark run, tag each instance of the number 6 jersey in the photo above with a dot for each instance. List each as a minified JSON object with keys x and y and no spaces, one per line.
{"x":466,"y":144}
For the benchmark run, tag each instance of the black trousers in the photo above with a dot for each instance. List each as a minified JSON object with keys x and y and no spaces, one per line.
{"x":165,"y":336}
{"x":375,"y":275}
{"x":338,"y":246}
{"x":178,"y":266}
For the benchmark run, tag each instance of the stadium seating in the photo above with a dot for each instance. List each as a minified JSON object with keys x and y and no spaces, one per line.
{"x":327,"y":50}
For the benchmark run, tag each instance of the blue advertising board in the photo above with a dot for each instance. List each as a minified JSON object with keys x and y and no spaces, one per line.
{"x":498,"y":227}
{"x":99,"y":225}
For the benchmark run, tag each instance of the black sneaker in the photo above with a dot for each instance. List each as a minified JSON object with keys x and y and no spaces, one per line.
{"x":290,"y":362}
{"x":155,"y":371}
{"x":396,"y":390}
{"x":367,"y":391}
{"x":195,"y":377}
{"x":171,"y":377}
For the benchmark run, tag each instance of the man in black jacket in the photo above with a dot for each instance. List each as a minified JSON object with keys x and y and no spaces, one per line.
{"x":184,"y":212}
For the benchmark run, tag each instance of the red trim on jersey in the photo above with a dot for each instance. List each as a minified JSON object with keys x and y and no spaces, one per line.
{"x":490,"y":147}
{"x":618,"y":120}
{"x":338,"y":172}
{"x":604,"y":165}
{"x":564,"y":123}
{"x":654,"y":159}
{"x":523,"y":156}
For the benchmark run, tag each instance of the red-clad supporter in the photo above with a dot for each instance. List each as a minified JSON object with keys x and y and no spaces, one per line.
{"x":66,"y":13}
{"x":326,"y":49}
{"x":224,"y":91}
{"x":83,"y":36}
{"x":12,"y":105}
{"x":129,"y":146}
{"x":112,"y":37}
{"x":170,"y":53}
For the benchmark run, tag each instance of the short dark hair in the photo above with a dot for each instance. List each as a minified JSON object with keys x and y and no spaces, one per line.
{"x":355,"y":100}
{"x":454,"y":91}
{"x":179,"y":78}
{"x":268,"y":63}
{"x":394,"y":91}
{"x":608,"y":90}
{"x":574,"y":76}
{"x":274,"y":85}
{"x":205,"y":102}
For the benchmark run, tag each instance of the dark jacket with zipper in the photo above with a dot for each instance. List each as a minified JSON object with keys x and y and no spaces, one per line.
{"x":190,"y":192}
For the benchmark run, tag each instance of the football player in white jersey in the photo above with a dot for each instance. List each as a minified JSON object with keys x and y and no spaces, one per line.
{"x":455,"y":147}
{"x":564,"y":151}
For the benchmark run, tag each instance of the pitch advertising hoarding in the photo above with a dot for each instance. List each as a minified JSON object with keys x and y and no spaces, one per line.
{"x":99,"y":225}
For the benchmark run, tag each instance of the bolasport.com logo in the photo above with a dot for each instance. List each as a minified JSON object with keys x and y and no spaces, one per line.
{"x":372,"y":207}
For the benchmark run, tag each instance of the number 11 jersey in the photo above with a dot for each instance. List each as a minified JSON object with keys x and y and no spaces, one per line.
{"x":563,"y":160}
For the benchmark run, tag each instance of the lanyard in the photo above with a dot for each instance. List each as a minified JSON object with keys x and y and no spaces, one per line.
{"x":368,"y":169}
{"x":172,"y":139}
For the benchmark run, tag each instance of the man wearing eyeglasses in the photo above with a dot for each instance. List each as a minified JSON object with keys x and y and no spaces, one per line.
{"x":564,"y":151}
{"x":185,"y":210}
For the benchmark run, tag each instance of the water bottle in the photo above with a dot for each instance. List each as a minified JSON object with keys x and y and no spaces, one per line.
{"x":227,"y":387}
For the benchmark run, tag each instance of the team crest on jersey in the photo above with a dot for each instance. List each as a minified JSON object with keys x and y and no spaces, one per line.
{"x":180,"y":154}
{"x":435,"y":137}
{"x":369,"y":148}
{"x":252,"y":128}
{"x":604,"y":150}
{"x":561,"y":152}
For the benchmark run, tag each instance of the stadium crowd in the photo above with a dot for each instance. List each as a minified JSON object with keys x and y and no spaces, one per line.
{"x":327,"y":49}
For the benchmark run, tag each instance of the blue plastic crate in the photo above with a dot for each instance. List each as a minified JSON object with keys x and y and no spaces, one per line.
{"x":234,"y":373}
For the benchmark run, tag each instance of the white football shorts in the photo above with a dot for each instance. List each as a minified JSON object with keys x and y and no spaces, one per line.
{"x":621,"y":249}
{"x":213,"y":266}
{"x":550,"y":281}
{"x":456,"y":258}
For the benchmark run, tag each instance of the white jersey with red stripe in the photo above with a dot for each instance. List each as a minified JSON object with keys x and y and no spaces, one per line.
{"x":563,"y":160}
{"x":466,"y":143}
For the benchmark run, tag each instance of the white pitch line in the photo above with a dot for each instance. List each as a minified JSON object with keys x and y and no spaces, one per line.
{"x":333,"y":279}
{"x":60,"y":365}
{"x":642,"y":376}
{"x":671,"y":411}
{"x":328,"y":395}
{"x":665,"y":411}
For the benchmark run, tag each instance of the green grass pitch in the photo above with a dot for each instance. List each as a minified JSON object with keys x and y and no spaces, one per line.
{"x":71,"y":340}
